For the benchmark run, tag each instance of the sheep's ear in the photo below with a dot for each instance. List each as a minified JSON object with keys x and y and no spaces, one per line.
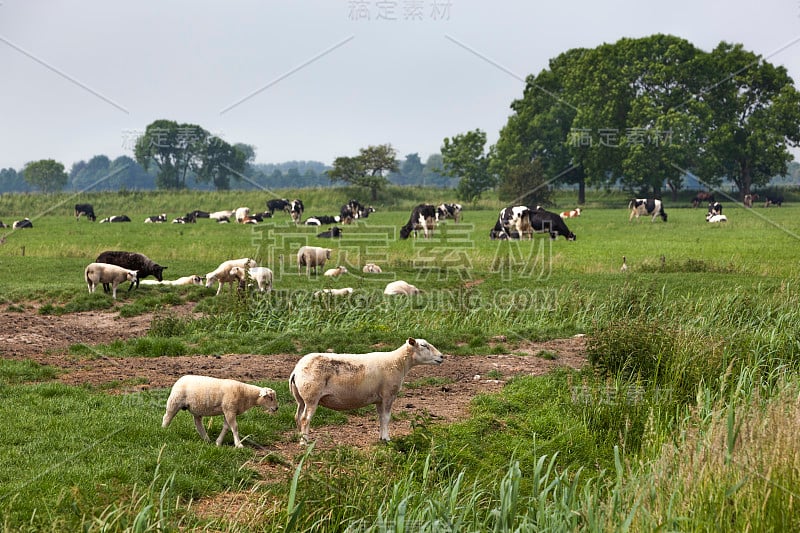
{"x":412,"y":341}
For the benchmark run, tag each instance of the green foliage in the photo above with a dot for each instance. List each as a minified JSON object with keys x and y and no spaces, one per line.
{"x":48,"y":175}
{"x":23,"y":371}
{"x":463,"y":157}
{"x":368,"y":169}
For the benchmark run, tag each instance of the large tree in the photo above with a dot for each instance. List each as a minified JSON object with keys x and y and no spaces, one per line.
{"x":220,"y":161}
{"x":174,"y":148}
{"x":48,"y":175}
{"x":463,"y":157}
{"x":368,"y":169}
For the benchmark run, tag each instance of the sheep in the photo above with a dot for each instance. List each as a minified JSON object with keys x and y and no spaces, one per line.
{"x":207,"y":396}
{"x":335,"y":272}
{"x":349,"y":381}
{"x":334,"y":292}
{"x":400,"y":287}
{"x":142,"y":264}
{"x":241,"y":214}
{"x":219,"y":216}
{"x":222,"y":273}
{"x":97,"y":273}
{"x":261,"y":275}
{"x":312,"y":257}
{"x":185,"y":280}
{"x":371,"y":268}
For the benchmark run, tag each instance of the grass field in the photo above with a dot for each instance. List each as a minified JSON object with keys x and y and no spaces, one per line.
{"x":716,"y":324}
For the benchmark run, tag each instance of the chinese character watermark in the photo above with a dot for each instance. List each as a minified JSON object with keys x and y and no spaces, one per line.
{"x":399,"y":10}
{"x":613,"y":138}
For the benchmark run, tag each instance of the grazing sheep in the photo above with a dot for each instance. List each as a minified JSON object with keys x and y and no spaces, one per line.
{"x":400,"y":287}
{"x":206,"y":396}
{"x":261,"y":275}
{"x":335,"y":272}
{"x":222,"y":273}
{"x":350,"y":381}
{"x":97,"y":273}
{"x":312,"y":257}
{"x":185,"y":280}
{"x":142,"y":264}
{"x":371,"y":268}
{"x":334,"y":292}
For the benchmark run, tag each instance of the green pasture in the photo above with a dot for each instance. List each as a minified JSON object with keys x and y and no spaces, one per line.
{"x":687,"y":353}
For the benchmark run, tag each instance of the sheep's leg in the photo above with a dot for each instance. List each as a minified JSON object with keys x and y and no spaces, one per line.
{"x":305,"y":421}
{"x":219,"y":288}
{"x":169,"y":415}
{"x":198,"y":423}
{"x":229,"y":421}
{"x":114,"y":290}
{"x":384,"y":415}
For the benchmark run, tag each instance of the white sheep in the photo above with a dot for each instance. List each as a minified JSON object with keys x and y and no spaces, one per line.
{"x":350,"y":381}
{"x":312,"y":257}
{"x":102,"y":273}
{"x":222,"y":273}
{"x":221,"y":215}
{"x":371,"y":268}
{"x":185,"y":280}
{"x":261,"y":275}
{"x":207,"y":396}
{"x":241,"y":213}
{"x":400,"y":287}
{"x":334,"y":292}
{"x":335,"y":272}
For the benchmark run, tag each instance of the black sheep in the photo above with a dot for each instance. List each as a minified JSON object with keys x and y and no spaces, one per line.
{"x":142,"y":264}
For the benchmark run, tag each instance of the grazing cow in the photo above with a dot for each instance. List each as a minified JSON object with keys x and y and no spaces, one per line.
{"x":647,"y":206}
{"x":142,"y":264}
{"x":515,"y":219}
{"x":116,"y":218}
{"x":333,"y":233}
{"x":449,"y":211}
{"x":24,"y":223}
{"x":571,"y":214}
{"x":278,"y":204}
{"x":715,"y":208}
{"x":156,"y":219}
{"x":774,"y":200}
{"x":85,"y":209}
{"x":702,"y":197}
{"x":422,"y":217}
{"x":353,"y":210}
{"x":296,"y":210}
{"x":546,"y":222}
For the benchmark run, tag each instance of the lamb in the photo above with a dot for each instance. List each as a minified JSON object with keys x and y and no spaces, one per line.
{"x":349,"y":381}
{"x":261,"y":275}
{"x":335,"y":272}
{"x":97,"y":273}
{"x":333,"y":292}
{"x":222,"y":273}
{"x":185,"y":280}
{"x":371,"y":268}
{"x":312,"y":257}
{"x":142,"y":264}
{"x":207,"y":396}
{"x":400,"y":287}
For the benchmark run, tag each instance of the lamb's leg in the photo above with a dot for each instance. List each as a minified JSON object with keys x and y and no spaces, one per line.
{"x":198,"y":423}
{"x":384,"y":415}
{"x":222,"y":433}
{"x":229,"y":421}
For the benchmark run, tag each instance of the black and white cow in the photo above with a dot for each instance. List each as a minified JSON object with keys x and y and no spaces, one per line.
{"x":320,"y":220}
{"x":85,"y":209}
{"x":278,"y":204}
{"x":24,"y":223}
{"x":715,"y":208}
{"x":261,"y":216}
{"x":647,"y":206}
{"x":774,"y":200}
{"x":543,"y":221}
{"x":156,"y":219}
{"x":516,"y":218}
{"x":423,"y":217}
{"x":354,"y":210}
{"x":296,"y":210}
{"x":453,"y":211}
{"x":116,"y":218}
{"x":333,"y":233}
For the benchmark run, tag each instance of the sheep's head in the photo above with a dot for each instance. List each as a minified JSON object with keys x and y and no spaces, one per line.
{"x":268,"y":399}
{"x":210,"y":279}
{"x":132,"y":275}
{"x":327,"y":253}
{"x":424,"y":353}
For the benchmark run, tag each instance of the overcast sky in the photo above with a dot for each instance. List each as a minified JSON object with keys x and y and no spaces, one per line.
{"x":316,"y":79}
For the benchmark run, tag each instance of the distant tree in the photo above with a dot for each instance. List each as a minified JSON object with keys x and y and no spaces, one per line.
{"x":93,"y":175}
{"x":48,"y":175}
{"x":13,"y":181}
{"x":525,"y":184}
{"x":412,"y":168}
{"x":276,"y":178}
{"x":463,"y":157}
{"x":219,"y":161}
{"x":368,"y":169}
{"x":174,"y":148}
{"x":293,"y":176}
{"x":129,"y":174}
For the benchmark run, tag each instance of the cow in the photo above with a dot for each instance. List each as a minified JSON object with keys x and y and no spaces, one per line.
{"x":85,"y":209}
{"x":546,"y":222}
{"x":749,"y":199}
{"x":156,"y":219}
{"x":116,"y":218}
{"x":296,"y":210}
{"x":320,"y":220}
{"x":422,"y":217}
{"x":647,"y":206}
{"x":453,"y":211}
{"x":22,"y":224}
{"x":571,"y":214}
{"x":702,"y":197}
{"x":353,"y":210}
{"x":774,"y":200}
{"x":715,"y":208}
{"x":197,"y":214}
{"x":333,"y":233}
{"x":516,"y":219}
{"x":278,"y":204}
